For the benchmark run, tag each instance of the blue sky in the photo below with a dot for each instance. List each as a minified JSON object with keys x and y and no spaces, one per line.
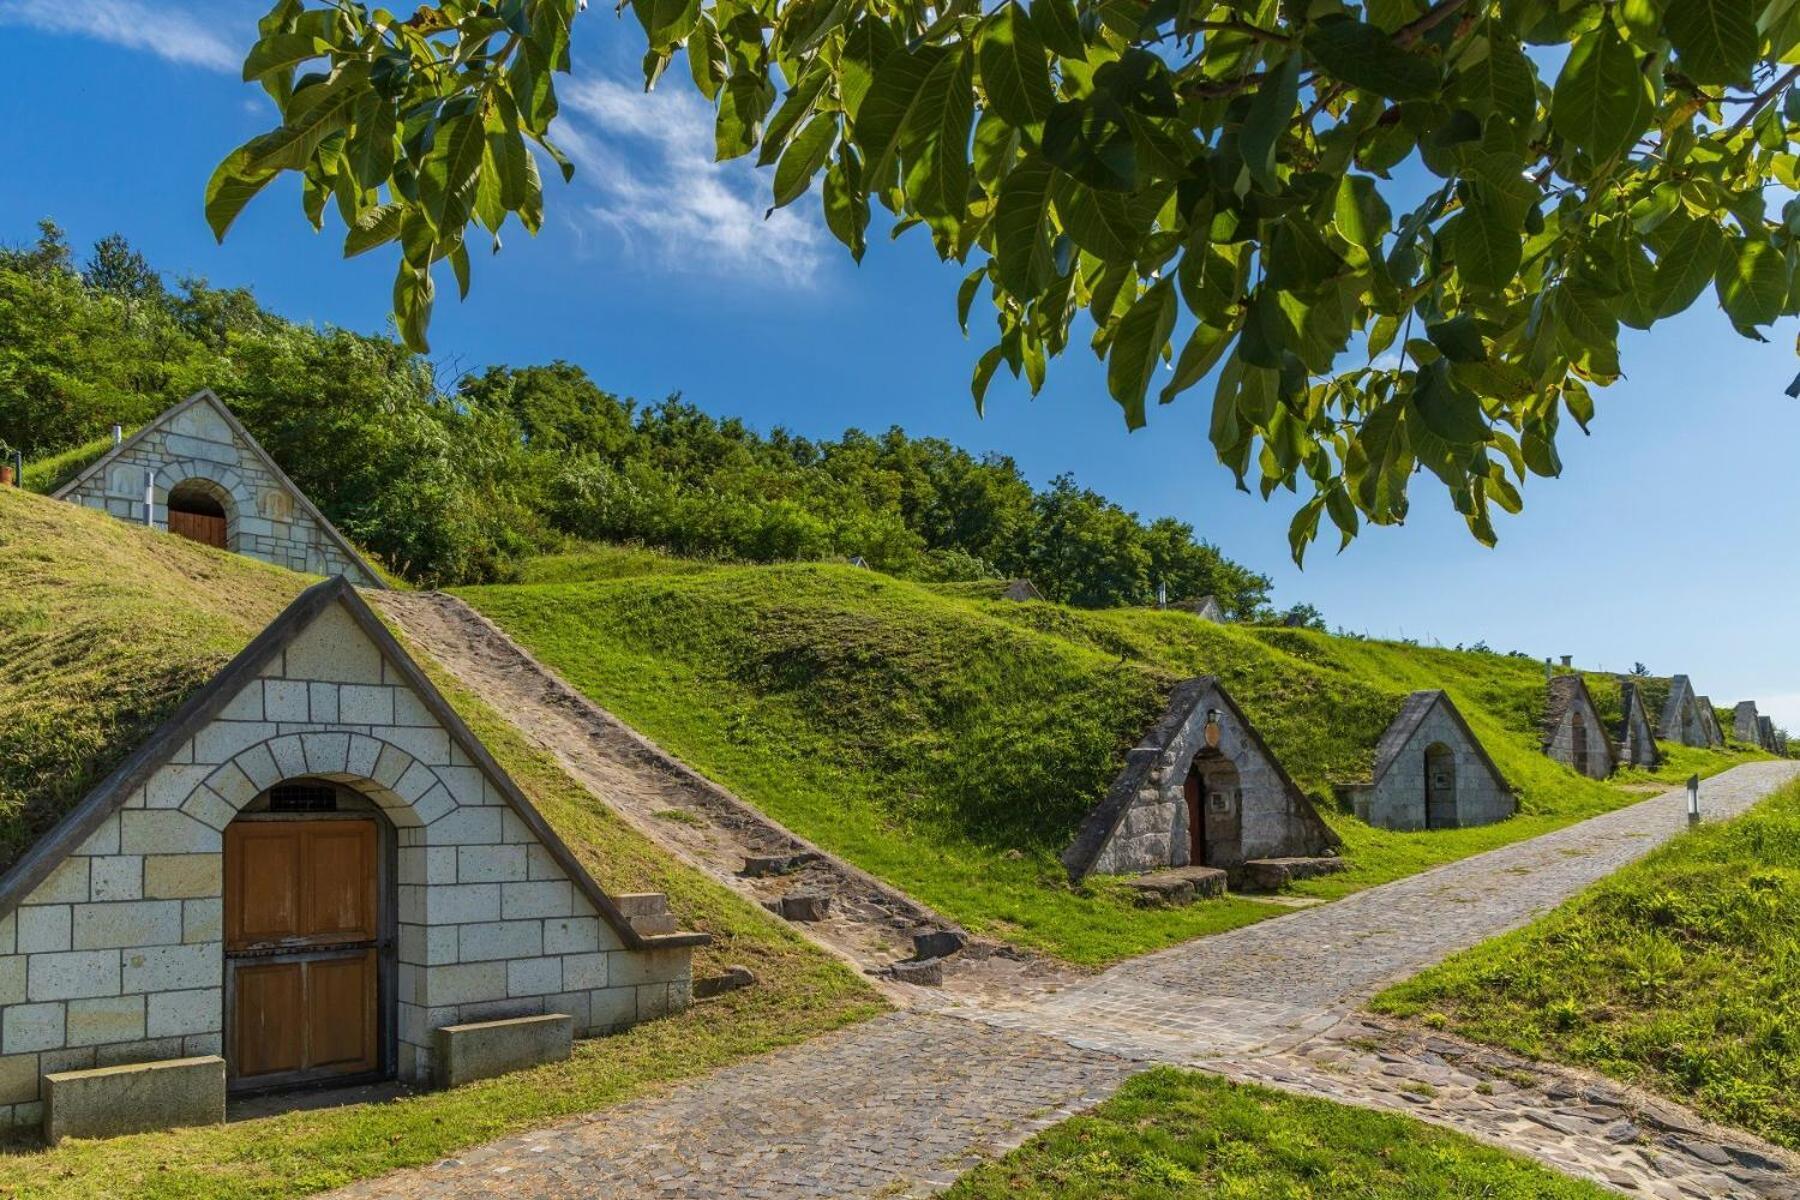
{"x":1666,"y":541}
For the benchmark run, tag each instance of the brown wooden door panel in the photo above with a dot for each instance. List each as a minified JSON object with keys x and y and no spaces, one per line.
{"x":268,"y":1032}
{"x":262,"y":899}
{"x":340,"y":1014}
{"x":198,"y":527}
{"x":338,"y":891}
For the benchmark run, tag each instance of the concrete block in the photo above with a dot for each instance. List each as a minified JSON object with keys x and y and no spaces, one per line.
{"x":202,"y":920}
{"x":171,"y":968}
{"x":181,"y":1014}
{"x":12,"y":979}
{"x":116,"y":877}
{"x":109,"y":1101}
{"x":534,"y":977}
{"x":129,"y":923}
{"x":44,"y":928}
{"x":105,"y":1019}
{"x":73,"y":975}
{"x":500,"y":939}
{"x":584,"y":972}
{"x":28,"y":1027}
{"x":547,"y":899}
{"x":465,"y":983}
{"x":18,"y":1079}
{"x":322,"y":702}
{"x":490,"y":864}
{"x":67,"y":884}
{"x":479,"y":1051}
{"x":461,"y":903}
{"x":362,"y":704}
{"x":165,"y":831}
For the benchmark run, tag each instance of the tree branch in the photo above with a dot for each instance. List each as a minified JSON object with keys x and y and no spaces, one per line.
{"x":1762,"y":98}
{"x":1412,"y":31}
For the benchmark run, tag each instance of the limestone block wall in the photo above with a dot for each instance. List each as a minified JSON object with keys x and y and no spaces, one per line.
{"x":117,"y":956}
{"x":1597,"y":764}
{"x":1154,"y":830}
{"x":263,"y":519}
{"x":1397,"y":800}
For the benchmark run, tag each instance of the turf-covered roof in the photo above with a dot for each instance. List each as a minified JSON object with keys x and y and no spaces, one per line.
{"x":105,"y":629}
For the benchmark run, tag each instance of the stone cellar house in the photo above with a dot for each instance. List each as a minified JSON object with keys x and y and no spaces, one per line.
{"x":1573,"y":733}
{"x":1207,"y":608}
{"x":1746,"y":726}
{"x":1709,"y":717}
{"x":1431,"y":772}
{"x":1683,"y":717}
{"x":1201,"y":789}
{"x":312,"y":872}
{"x":1636,"y":739}
{"x":196,"y":471}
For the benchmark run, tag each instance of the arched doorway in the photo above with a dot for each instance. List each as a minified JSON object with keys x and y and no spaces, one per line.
{"x":309,"y":938}
{"x":1215,"y":821}
{"x":1440,"y":787}
{"x":198,"y":511}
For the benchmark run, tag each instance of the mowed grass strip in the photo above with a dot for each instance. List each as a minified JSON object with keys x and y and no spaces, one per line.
{"x":952,"y":743}
{"x":1681,"y":973}
{"x":1179,"y":1134}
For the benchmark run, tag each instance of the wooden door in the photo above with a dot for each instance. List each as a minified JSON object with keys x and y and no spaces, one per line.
{"x":302,"y":934}
{"x":1220,"y":821}
{"x":198,"y":527}
{"x":1440,"y":787}
{"x":1196,"y":815}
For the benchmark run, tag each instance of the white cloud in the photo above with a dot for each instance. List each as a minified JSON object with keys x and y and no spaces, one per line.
{"x":650,"y":157}
{"x":165,"y":31}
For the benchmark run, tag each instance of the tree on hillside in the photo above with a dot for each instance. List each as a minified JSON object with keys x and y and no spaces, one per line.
{"x":1404,"y":234}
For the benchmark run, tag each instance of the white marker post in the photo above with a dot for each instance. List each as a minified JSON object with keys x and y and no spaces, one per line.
{"x":1693,"y":786}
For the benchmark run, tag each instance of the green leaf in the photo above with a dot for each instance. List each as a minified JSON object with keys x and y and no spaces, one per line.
{"x":1362,"y":215}
{"x":1059,"y":27}
{"x":450,"y":173}
{"x":376,"y":227}
{"x":1499,"y":83}
{"x":1022,"y":229}
{"x":282,"y":50}
{"x":231,"y":187}
{"x":1138,"y":346}
{"x":1752,"y":282}
{"x":371,"y":150}
{"x":1205,"y":346}
{"x":666,"y":23}
{"x":1363,"y":56}
{"x":804,"y":157}
{"x":459,"y":266}
{"x":934,"y":143}
{"x":313,"y":113}
{"x":1458,"y":339}
{"x":1267,"y":122}
{"x":1015,"y":70}
{"x":1451,"y":412}
{"x":883,"y":116}
{"x":706,"y":57}
{"x":1100,"y":222}
{"x":984,"y":374}
{"x":846,"y":208}
{"x":1688,"y":266}
{"x":413,"y":294}
{"x":1602,"y":101}
{"x":1485,"y":250}
{"x":1716,"y":39}
{"x":795,"y":107}
{"x":1587,"y":328}
{"x":742,"y":107}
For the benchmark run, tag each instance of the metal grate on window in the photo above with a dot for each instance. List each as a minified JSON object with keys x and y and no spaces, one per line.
{"x":302,"y":797}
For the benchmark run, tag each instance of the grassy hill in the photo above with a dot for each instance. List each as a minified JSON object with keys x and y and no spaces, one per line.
{"x":951,"y":742}
{"x":105,"y":628}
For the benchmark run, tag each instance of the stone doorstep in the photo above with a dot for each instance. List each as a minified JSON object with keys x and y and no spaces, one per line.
{"x":735,"y":977}
{"x":1182,"y":885}
{"x":1273,"y":874}
{"x":483,"y":1049}
{"x":648,"y":912}
{"x":763,"y":865}
{"x":800,"y":906}
{"x":135,"y":1098}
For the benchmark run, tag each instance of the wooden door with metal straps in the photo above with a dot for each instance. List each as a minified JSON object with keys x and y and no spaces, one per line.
{"x":303,"y":948}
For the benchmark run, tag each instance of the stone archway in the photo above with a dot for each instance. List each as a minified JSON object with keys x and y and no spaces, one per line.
{"x":202,"y":511}
{"x":203,"y":489}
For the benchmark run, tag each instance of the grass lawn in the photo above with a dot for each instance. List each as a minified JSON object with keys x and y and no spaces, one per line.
{"x":1170,"y":1133}
{"x":1680,"y":973}
{"x":103,"y":628}
{"x":950,"y":742}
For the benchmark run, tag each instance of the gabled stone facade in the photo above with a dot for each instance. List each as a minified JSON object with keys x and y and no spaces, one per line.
{"x":1745,"y":724}
{"x":1431,"y":773}
{"x":1207,"y":608}
{"x":1684,"y":720}
{"x":1709,"y":718}
{"x":200,"y":447}
{"x":1203,"y":743}
{"x":113,"y":927}
{"x":1636,"y":740}
{"x":1020,"y":590}
{"x":1765,"y":733}
{"x":1573,"y":733}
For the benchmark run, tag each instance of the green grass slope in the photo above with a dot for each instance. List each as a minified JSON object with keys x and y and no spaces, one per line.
{"x":1181,"y":1135}
{"x":1680,"y":973}
{"x":952,"y":743}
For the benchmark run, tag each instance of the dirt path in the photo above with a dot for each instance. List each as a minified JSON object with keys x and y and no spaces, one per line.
{"x":869,"y":924}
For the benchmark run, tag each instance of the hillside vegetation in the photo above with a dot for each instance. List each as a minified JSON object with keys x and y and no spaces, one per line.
{"x":105,"y":628}
{"x":1680,"y":973}
{"x":460,"y":480}
{"x":952,"y":742}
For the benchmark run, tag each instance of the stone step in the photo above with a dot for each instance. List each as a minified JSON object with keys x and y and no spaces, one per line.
{"x":1273,"y":874}
{"x":642,"y":904}
{"x":652,"y":926}
{"x":1183,"y":885}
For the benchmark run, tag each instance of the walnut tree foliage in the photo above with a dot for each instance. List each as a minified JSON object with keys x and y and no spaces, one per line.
{"x":1403,"y":235}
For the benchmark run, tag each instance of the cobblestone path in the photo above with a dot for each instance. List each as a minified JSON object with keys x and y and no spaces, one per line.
{"x":901,"y":1105}
{"x":898,"y":1106}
